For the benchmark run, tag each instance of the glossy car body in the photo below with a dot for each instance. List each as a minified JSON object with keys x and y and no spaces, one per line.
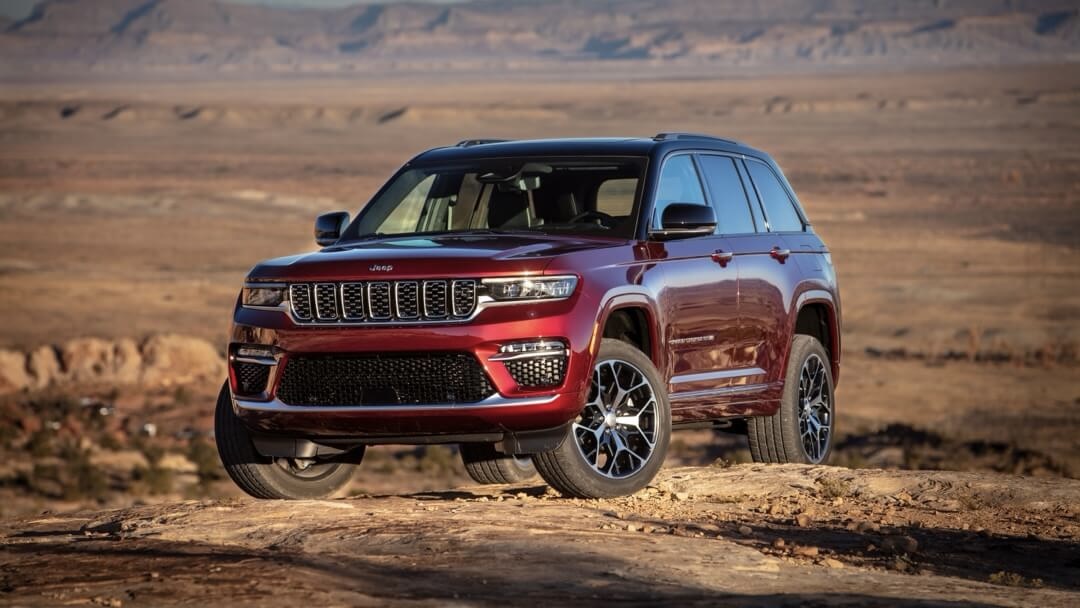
{"x":715,"y":313}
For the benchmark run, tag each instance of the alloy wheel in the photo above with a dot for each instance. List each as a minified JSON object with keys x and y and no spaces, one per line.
{"x":815,"y":409}
{"x":617,"y":430}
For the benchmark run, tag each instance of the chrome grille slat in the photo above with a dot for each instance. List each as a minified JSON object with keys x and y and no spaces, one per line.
{"x":463,"y":297}
{"x":300,"y":301}
{"x":352,"y":301}
{"x":358,"y":302}
{"x":326,"y":307}
{"x":379,"y":301}
{"x":435,"y":299}
{"x":406,"y":299}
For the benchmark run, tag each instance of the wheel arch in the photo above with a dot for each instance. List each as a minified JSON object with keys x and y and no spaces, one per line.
{"x":639,"y":308}
{"x":816,"y":314}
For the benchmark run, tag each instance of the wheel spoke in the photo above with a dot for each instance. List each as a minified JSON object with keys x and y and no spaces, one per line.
{"x":616,"y":431}
{"x":815,"y":408}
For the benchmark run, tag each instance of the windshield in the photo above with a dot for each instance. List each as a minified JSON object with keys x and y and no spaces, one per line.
{"x":590,"y":196}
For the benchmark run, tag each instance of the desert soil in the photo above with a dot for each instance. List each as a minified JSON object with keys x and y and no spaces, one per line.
{"x":741,"y":535}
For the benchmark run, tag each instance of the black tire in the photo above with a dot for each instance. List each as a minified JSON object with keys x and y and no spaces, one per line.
{"x":264,"y":477}
{"x":780,"y":438}
{"x":567,"y":469}
{"x":486,"y":465}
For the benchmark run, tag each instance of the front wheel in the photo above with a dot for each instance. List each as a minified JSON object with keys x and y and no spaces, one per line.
{"x":619,"y":441}
{"x":802,"y":429}
{"x":265,"y":477}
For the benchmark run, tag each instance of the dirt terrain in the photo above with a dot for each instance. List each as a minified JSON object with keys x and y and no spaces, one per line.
{"x":744,"y":535}
{"x":132,"y":203}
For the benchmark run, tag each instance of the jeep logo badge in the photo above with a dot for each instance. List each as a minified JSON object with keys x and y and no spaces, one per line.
{"x":381,"y":267}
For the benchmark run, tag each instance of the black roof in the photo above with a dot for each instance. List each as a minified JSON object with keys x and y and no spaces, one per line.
{"x":478,"y":149}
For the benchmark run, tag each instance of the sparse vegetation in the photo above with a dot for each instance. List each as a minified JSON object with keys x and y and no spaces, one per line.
{"x":1012,"y":579}
{"x":833,"y":487}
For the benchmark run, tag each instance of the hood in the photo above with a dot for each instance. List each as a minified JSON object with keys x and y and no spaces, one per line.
{"x":463,"y":255}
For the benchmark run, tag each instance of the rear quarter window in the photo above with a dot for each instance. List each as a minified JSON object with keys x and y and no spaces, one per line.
{"x":779,"y":208}
{"x":727,"y":194}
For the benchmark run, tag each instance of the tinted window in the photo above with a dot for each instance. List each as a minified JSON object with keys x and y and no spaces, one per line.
{"x":678,"y":184}
{"x":728,"y":195}
{"x":778,"y":206}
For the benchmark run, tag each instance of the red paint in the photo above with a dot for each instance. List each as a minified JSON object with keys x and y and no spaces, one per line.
{"x":714,"y":304}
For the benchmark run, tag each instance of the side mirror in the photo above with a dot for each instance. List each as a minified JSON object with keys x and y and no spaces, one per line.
{"x":681,"y":220}
{"x":329,"y":226}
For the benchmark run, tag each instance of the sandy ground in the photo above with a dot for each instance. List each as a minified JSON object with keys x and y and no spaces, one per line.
{"x":743,"y":535}
{"x":950,"y":200}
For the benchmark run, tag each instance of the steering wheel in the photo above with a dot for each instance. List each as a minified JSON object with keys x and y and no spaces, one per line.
{"x":605,"y":220}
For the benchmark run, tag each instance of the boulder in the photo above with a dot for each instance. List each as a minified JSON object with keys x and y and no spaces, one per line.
{"x":170,"y":359}
{"x":87,"y":359}
{"x":44,"y":367}
{"x":13,"y":374}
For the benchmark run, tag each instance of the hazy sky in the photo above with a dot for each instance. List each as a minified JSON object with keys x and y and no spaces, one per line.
{"x":21,"y":8}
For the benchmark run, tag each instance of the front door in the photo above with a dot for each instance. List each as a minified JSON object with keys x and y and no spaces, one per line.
{"x":699,"y":298}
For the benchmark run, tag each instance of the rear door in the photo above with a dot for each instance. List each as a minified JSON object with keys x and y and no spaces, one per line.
{"x":699,"y":298}
{"x":768,"y":276}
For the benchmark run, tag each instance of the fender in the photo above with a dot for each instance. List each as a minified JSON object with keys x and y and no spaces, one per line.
{"x":628,"y":297}
{"x":815,"y":295}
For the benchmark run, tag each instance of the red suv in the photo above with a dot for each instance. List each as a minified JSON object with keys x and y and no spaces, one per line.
{"x":553,"y":306}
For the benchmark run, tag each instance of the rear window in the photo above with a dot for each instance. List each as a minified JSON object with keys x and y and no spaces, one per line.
{"x":728,"y":195}
{"x":779,"y":209}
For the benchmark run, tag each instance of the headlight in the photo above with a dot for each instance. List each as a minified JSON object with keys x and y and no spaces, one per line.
{"x":530,"y":288}
{"x":265,"y":296}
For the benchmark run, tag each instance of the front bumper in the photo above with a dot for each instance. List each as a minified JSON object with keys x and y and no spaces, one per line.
{"x":510,"y":410}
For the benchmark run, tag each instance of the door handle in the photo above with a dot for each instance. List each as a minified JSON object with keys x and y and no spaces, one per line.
{"x":722,"y":257}
{"x":780,"y":255}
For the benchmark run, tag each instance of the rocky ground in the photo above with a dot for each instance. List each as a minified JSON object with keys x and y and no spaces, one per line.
{"x":741,"y":535}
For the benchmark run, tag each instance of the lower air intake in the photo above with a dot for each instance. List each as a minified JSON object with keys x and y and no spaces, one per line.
{"x":384,"y":379}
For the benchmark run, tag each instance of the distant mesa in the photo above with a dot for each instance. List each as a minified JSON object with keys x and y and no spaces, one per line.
{"x":214,"y":37}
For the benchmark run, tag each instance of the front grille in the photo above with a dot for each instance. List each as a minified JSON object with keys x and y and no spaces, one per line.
{"x":537,"y":372}
{"x":409,"y":301}
{"x":251,"y":378}
{"x":384,"y":379}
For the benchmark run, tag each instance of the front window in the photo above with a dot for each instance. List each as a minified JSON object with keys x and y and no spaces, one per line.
{"x":577,"y":196}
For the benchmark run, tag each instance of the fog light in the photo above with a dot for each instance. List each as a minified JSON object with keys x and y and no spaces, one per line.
{"x":538,"y":348}
{"x":535,"y":365}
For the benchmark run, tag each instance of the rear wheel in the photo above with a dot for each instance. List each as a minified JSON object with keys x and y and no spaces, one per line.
{"x":802,"y":429}
{"x":485,"y":464}
{"x":266,"y":477}
{"x":620,"y":439}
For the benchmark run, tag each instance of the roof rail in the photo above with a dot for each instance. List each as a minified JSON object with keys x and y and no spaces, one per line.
{"x":465,"y":143}
{"x":675,"y":136}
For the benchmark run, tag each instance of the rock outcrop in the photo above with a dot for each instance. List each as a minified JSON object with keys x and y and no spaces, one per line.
{"x":160,"y":360}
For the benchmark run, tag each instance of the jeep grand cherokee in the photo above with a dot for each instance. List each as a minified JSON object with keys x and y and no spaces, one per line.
{"x":553,"y":306}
